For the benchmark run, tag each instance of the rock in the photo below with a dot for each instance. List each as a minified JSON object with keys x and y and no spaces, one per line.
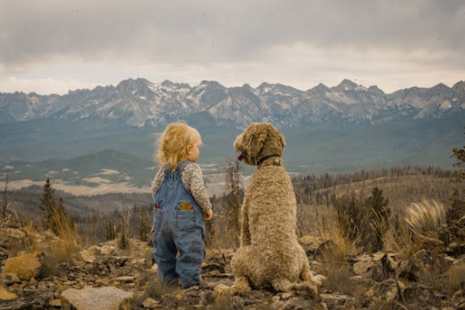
{"x":107,"y":298}
{"x":3,"y":255}
{"x":55,"y":303}
{"x":325,"y":248}
{"x":311,"y":244}
{"x":220,"y":259}
{"x":287,"y":295}
{"x":150,"y":303}
{"x":415,"y":267}
{"x":222,"y":288}
{"x":386,"y":292}
{"x":125,"y":279}
{"x":107,"y":250}
{"x":213,"y":267}
{"x":363,"y":281}
{"x":87,"y":256}
{"x":25,"y":266}
{"x":385,"y":266}
{"x":31,"y":301}
{"x":10,"y":278}
{"x":236,"y":303}
{"x":138,"y":261}
{"x":207,"y":297}
{"x":420,"y":296}
{"x":364,"y":265}
{"x":456,"y":249}
{"x":6,"y":295}
{"x":333,"y":300}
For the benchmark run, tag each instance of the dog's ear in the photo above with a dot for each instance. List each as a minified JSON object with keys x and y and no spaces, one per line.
{"x":256,"y":143}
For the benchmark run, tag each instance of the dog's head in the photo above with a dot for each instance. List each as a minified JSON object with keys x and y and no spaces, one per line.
{"x":258,"y":141}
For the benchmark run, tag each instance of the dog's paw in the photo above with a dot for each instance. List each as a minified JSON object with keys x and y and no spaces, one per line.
{"x":319,"y":280}
{"x":239,"y":289}
{"x":240,"y":286}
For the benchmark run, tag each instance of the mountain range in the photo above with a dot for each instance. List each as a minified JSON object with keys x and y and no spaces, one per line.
{"x":343,"y":128}
{"x":141,"y":103}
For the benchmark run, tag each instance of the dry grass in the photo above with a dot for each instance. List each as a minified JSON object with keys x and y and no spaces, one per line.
{"x":426,"y":218}
{"x":419,"y":227}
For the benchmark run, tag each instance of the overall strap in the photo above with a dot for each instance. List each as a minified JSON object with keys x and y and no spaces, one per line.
{"x":182,"y":165}
{"x":178,"y":168}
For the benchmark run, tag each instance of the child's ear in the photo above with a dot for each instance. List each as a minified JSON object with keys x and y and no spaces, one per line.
{"x":189,"y":148}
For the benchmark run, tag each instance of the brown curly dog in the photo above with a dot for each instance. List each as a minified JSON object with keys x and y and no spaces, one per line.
{"x":269,"y":255}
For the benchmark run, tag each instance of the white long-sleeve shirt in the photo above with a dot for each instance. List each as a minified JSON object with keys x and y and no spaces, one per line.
{"x":192,"y":179}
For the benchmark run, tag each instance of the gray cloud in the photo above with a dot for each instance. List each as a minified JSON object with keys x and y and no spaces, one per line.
{"x":206,"y":31}
{"x":313,"y":38}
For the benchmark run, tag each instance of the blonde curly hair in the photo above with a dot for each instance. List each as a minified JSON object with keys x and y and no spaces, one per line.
{"x":174,"y":142}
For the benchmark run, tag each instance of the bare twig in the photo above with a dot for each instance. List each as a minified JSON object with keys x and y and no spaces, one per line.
{"x":5,"y":199}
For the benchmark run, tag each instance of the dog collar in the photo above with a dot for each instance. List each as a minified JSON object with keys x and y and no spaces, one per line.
{"x":270,"y":160}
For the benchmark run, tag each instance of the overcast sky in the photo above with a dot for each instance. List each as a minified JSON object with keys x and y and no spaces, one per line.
{"x":52,"y":46}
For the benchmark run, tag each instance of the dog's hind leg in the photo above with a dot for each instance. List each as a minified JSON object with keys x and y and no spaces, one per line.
{"x":282,"y":285}
{"x":240,"y":265}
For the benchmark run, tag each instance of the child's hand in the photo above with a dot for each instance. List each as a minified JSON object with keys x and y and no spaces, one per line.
{"x":208,"y":215}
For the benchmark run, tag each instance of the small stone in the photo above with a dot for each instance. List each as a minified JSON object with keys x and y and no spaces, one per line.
{"x":213,"y":273}
{"x":150,"y":303}
{"x":222,"y":288}
{"x":287,"y":295}
{"x":364,"y":265}
{"x":125,"y":279}
{"x":6,"y":295}
{"x":207,"y":297}
{"x":10,"y":278}
{"x":87,"y":256}
{"x":107,"y":250}
{"x":55,"y":303}
{"x":138,"y":261}
{"x":333,"y":299}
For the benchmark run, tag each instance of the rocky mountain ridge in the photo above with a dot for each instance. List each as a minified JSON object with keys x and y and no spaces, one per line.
{"x":141,"y":103}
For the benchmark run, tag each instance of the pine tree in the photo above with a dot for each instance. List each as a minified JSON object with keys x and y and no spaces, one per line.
{"x":48,"y":204}
{"x":56,"y":218}
{"x":144,"y":226}
{"x":348,"y":213}
{"x":378,"y":217}
{"x":456,"y":212}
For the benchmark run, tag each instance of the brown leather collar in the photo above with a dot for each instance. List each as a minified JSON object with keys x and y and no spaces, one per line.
{"x":274,"y":161}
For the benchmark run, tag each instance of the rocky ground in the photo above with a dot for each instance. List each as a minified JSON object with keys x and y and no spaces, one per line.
{"x":104,"y":277}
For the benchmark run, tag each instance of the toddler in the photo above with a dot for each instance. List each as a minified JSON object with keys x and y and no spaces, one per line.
{"x":181,"y":204}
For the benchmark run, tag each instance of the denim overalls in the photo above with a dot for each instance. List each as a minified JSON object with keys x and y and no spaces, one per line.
{"x":178,"y":227}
